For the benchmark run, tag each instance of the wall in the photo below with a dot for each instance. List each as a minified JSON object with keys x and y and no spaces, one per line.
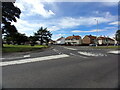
{"x":71,"y":41}
{"x":86,"y":40}
{"x":62,"y":41}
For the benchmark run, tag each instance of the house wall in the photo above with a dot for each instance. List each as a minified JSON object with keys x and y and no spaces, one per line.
{"x":111,"y":42}
{"x":86,"y":40}
{"x":73,"y":41}
{"x":115,"y":42}
{"x":104,"y":42}
{"x":100,"y":42}
{"x":62,"y":41}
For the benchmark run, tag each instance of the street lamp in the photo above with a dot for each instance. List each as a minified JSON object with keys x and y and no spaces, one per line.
{"x":97,"y":30}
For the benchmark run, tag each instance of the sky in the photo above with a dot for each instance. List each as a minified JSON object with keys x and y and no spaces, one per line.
{"x":68,"y":18}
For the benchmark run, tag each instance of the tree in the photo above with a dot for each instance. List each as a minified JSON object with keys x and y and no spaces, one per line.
{"x":9,"y":14}
{"x":7,"y":40}
{"x":117,"y":36}
{"x":16,"y":38}
{"x":43,"y":35}
{"x":32,"y":40}
{"x":20,"y":38}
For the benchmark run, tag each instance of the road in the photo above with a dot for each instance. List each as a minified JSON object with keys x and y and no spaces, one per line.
{"x":61,"y":67}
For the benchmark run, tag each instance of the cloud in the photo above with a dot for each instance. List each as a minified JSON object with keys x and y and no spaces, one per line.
{"x":24,"y":26}
{"x":33,"y":7}
{"x":114,"y":23}
{"x":37,"y":7}
{"x":109,"y":4}
{"x":82,"y":0}
{"x":69,"y":22}
{"x":94,"y":30}
{"x":62,"y":23}
{"x":56,"y":36}
{"x":53,"y":28}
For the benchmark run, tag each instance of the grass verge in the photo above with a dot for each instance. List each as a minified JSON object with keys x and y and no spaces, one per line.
{"x":21,"y":48}
{"x":107,"y":47}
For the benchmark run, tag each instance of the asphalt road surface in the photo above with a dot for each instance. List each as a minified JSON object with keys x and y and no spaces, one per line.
{"x":61,"y":67}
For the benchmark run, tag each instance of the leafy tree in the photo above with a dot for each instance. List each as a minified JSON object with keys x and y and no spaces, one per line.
{"x":33,"y":40}
{"x":20,"y":38}
{"x":43,"y":35}
{"x":117,"y":36}
{"x":9,"y":14}
{"x":16,"y":38}
{"x":7,"y":40}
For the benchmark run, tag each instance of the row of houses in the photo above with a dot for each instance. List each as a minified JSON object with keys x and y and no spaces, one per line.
{"x":87,"y":40}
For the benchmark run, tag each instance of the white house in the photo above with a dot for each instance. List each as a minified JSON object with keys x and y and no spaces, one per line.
{"x":115,"y":41}
{"x":60,"y":41}
{"x":105,"y":41}
{"x":73,"y":40}
{"x":101,"y":40}
{"x":110,"y":41}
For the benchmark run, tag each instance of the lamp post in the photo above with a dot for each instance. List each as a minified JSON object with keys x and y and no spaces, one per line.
{"x":96,"y":31}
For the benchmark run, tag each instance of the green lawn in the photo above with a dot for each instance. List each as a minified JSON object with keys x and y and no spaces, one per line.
{"x":107,"y":47}
{"x":21,"y":48}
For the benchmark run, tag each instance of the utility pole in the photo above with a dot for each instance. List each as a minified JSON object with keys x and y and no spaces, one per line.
{"x":96,"y":31}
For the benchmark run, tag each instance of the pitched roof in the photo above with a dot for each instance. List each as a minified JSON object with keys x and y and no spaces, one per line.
{"x":73,"y":37}
{"x":59,"y":38}
{"x":101,"y":38}
{"x":110,"y":39}
{"x":91,"y":37}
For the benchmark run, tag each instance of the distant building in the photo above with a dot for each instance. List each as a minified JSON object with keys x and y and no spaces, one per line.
{"x":73,"y":40}
{"x":102,"y":40}
{"x":110,"y":41}
{"x":60,"y":41}
{"x":51,"y":42}
{"x":116,"y":42}
{"x":89,"y":39}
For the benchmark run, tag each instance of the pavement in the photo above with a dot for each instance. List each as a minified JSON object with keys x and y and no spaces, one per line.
{"x":61,"y":67}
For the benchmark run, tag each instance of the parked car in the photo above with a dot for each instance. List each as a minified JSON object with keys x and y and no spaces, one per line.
{"x":92,"y":44}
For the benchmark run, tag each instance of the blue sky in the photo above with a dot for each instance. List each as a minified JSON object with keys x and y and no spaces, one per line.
{"x":68,"y":18}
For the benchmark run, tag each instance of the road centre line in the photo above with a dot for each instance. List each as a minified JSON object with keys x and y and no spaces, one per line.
{"x":26,"y":56}
{"x":13,"y":58}
{"x":57,"y":51}
{"x":78,"y":55}
{"x":91,"y":54}
{"x":114,"y":52}
{"x":70,"y":48}
{"x":33,"y":60}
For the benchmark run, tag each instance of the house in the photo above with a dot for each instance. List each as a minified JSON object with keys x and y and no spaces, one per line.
{"x":89,"y":39}
{"x":60,"y":41}
{"x":52,"y":42}
{"x":115,"y":41}
{"x":73,"y":40}
{"x":110,"y":41}
{"x":101,"y":40}
{"x":105,"y":41}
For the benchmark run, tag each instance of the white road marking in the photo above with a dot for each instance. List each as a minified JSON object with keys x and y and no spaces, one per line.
{"x":33,"y":60}
{"x":114,"y":52}
{"x":26,"y":56}
{"x":91,"y":54}
{"x":57,"y":51}
{"x":60,"y":53}
{"x":70,"y":48}
{"x":77,"y":55}
{"x":13,"y":58}
{"x":2,"y":58}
